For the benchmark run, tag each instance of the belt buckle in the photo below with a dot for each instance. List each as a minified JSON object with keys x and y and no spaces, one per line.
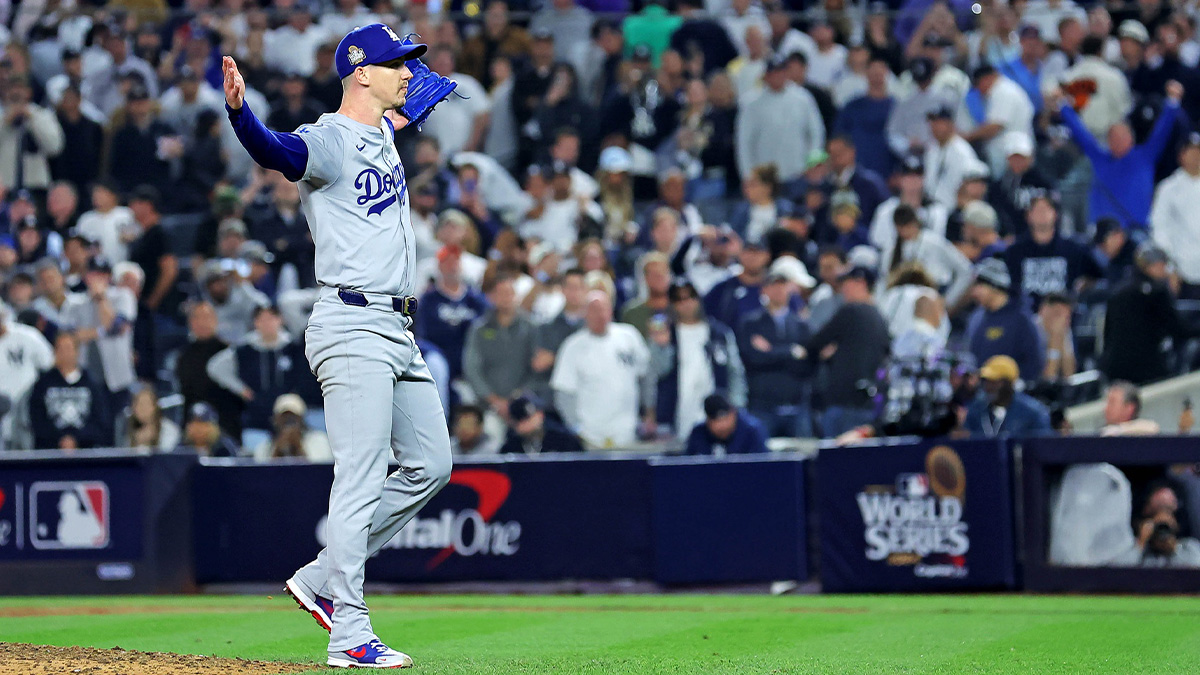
{"x":406,"y":305}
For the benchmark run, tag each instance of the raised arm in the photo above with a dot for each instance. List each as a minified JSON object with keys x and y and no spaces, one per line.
{"x":283,"y":152}
{"x":1079,"y":132}
{"x":1166,"y":120}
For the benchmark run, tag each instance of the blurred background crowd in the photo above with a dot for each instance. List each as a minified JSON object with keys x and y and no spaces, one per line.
{"x":696,"y":223}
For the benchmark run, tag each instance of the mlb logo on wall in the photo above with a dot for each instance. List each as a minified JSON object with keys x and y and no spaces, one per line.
{"x":68,"y":515}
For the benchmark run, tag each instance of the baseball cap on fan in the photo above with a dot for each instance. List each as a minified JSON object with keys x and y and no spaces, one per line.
{"x":372,"y":44}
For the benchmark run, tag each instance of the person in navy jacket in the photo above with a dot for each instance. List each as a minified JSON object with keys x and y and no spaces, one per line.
{"x":778,"y":371}
{"x":1001,"y":325}
{"x":726,"y":431}
{"x":1000,"y":410}
{"x":67,"y":408}
{"x":447,"y":309}
{"x":1045,"y":262}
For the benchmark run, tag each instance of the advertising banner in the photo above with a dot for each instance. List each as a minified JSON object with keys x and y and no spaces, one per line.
{"x":924,"y":517}
{"x":729,"y":520}
{"x":508,"y":520}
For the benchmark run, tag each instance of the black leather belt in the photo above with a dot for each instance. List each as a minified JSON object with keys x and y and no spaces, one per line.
{"x":406,"y":305}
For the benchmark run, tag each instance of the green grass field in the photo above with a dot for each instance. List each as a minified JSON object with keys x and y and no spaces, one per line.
{"x":659,"y":634}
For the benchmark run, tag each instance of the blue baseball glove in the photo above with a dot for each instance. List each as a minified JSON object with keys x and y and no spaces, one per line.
{"x":426,"y":89}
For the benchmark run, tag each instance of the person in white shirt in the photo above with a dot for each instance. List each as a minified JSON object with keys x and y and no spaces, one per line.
{"x":183,"y":103}
{"x":292,"y":48}
{"x":102,"y":321}
{"x":828,"y":61}
{"x":1175,"y":217}
{"x":1071,"y":33}
{"x":462,"y":119}
{"x":602,"y":378}
{"x":53,"y":294}
{"x":947,"y":267}
{"x":556,"y":214}
{"x":746,"y":71}
{"x":911,"y":181}
{"x":1007,"y":110}
{"x":350,"y":14}
{"x":109,"y":224}
{"x":25,"y":355}
{"x":946,"y":158}
{"x":785,"y":39}
{"x":292,"y":437}
{"x":742,"y":15}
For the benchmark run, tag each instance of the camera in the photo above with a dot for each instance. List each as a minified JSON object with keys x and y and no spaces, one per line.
{"x":1162,"y":540}
{"x":920,"y":394}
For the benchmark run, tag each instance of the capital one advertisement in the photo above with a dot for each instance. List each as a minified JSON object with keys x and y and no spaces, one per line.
{"x":507,"y":520}
{"x":935,"y":515}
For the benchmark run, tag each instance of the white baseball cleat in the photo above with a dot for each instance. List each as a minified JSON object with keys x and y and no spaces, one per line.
{"x":373,"y":654}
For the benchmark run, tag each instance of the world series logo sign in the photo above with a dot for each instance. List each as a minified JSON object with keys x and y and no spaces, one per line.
{"x":918,"y":520}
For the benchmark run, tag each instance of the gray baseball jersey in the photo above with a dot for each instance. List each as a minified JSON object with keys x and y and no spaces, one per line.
{"x":356,"y":201}
{"x":380,"y":400}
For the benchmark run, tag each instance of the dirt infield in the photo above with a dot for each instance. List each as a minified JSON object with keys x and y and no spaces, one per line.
{"x":22,"y":659}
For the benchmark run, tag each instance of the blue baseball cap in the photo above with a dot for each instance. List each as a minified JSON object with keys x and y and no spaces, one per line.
{"x":371,"y":44}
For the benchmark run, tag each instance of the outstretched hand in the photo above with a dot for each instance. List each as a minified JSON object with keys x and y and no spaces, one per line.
{"x":235,"y":86}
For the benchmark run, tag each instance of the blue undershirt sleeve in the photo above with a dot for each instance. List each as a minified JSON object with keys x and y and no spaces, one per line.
{"x":286,"y":153}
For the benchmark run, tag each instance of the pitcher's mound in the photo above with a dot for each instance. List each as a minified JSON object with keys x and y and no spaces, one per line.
{"x":22,"y":659}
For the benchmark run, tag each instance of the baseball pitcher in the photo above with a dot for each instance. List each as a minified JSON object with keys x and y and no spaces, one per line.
{"x":379,"y":395}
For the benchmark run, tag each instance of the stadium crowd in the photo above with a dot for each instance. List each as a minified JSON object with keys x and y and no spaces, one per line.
{"x":699,"y":222}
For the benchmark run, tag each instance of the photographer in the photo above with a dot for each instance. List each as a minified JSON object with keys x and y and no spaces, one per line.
{"x":292,"y":436}
{"x":28,"y":132}
{"x":1159,"y":540}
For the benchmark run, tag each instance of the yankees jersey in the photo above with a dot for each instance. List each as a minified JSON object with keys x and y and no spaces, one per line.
{"x":24,"y":355}
{"x":355,"y":198}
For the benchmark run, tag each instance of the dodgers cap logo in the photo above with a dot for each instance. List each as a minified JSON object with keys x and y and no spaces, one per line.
{"x":374,"y":43}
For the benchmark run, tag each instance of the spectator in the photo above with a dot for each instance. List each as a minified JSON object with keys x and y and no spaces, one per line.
{"x":779,"y":124}
{"x":109,"y":224}
{"x":345,"y":17}
{"x":797,"y":74}
{"x":867,"y":185}
{"x":145,"y":427}
{"x":468,"y":436}
{"x":1175,"y":220}
{"x":531,"y":432}
{"x":948,"y":268}
{"x":1124,"y":182}
{"x":762,"y":209}
{"x":906,"y":285}
{"x":1140,"y":315}
{"x":1027,"y":69}
{"x":1015,"y":189}
{"x":292,"y":436}
{"x":846,"y":218}
{"x":778,"y":372}
{"x":1001,"y":411}
{"x":191,"y":369}
{"x":1068,"y":50}
{"x":828,"y":60}
{"x":1098,"y":90}
{"x":907,"y":128}
{"x":652,"y":27}
{"x":855,"y":342}
{"x":996,"y":109}
{"x":974,"y":188}
{"x":324,"y":85}
{"x":499,"y":38}
{"x":203,"y":436}
{"x":569,"y":27}
{"x":76,"y":255}
{"x":865,"y":119}
{"x":692,"y":357}
{"x":292,"y":47}
{"x":102,"y":322}
{"x":265,"y":366}
{"x":980,"y":238}
{"x":103,"y":87}
{"x":910,"y":179}
{"x":147,"y":145}
{"x":747,"y":70}
{"x":554,"y":215}
{"x":1001,"y":325}
{"x":825,"y":300}
{"x":529,"y":88}
{"x":461,"y":123}
{"x":737,"y":296}
{"x":235,"y":300}
{"x":725,"y":431}
{"x":447,"y":309}
{"x":852,"y":82}
{"x":672,"y":195}
{"x":83,"y":142}
{"x":182,"y":104}
{"x":1114,"y":249}
{"x":948,"y":156}
{"x":1044,"y":262}
{"x":294,"y":108}
{"x":653,"y":301}
{"x":1123,"y":412}
{"x":498,"y":354}
{"x":30,"y":136}
{"x":602,"y":378}
{"x":700,"y":34}
{"x":69,"y":410}
{"x":549,"y":336}
{"x":28,"y":355}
